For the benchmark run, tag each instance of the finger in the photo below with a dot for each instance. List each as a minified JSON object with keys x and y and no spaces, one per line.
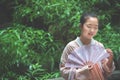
{"x":103,"y":61}
{"x":90,"y":67}
{"x":109,"y":50}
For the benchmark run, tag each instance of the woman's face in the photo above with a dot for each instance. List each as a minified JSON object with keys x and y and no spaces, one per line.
{"x":89,"y":28}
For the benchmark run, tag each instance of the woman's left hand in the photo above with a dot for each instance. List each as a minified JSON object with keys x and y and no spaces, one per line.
{"x":109,"y":51}
{"x":110,"y":58}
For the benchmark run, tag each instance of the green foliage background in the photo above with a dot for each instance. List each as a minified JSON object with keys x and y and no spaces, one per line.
{"x":33,"y":34}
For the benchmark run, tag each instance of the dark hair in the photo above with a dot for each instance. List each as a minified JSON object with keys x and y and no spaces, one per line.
{"x":85,"y":16}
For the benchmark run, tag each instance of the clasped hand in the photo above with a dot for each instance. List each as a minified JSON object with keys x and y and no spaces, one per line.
{"x":88,"y":66}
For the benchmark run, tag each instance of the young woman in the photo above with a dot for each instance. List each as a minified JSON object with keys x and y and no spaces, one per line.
{"x":89,"y":25}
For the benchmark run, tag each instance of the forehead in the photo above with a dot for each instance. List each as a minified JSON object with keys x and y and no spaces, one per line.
{"x":92,"y":20}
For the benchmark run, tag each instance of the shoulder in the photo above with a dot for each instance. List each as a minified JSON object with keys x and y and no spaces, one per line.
{"x":98,"y":43}
{"x":71,"y":46}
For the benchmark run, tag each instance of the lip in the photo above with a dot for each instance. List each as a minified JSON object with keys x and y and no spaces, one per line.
{"x":91,"y":34}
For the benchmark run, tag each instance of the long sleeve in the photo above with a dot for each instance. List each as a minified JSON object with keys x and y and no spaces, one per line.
{"x":108,"y":64}
{"x":106,"y":69}
{"x":72,"y":73}
{"x":65,"y":71}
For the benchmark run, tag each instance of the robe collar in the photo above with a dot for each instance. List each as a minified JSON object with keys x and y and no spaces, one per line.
{"x":79,"y":42}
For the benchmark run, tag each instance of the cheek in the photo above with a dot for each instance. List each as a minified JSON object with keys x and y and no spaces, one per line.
{"x":95,"y":32}
{"x":85,"y":30}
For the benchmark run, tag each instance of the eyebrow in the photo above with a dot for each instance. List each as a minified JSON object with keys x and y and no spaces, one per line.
{"x":91,"y":24}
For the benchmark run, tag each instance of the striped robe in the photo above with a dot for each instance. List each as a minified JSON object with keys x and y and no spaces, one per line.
{"x":100,"y":71}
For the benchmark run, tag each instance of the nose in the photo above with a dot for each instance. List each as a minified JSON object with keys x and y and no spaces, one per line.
{"x":92,"y":29}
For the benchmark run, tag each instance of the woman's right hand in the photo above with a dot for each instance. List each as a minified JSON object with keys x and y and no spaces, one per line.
{"x":84,"y":71}
{"x":85,"y":68}
{"x":90,"y":65}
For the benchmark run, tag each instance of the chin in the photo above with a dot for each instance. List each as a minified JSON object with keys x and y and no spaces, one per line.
{"x":89,"y":38}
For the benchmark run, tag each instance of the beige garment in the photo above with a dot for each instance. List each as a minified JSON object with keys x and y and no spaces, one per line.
{"x":99,"y":71}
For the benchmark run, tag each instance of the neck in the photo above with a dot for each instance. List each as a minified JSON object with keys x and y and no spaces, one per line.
{"x":85,"y":41}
